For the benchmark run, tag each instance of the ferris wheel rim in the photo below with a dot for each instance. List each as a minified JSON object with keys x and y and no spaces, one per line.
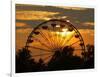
{"x":69,"y":23}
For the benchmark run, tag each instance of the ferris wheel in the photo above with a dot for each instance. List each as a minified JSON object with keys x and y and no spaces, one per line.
{"x":54,"y":35}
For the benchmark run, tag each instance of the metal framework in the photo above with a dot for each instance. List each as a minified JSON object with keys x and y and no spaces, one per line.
{"x":53,"y":35}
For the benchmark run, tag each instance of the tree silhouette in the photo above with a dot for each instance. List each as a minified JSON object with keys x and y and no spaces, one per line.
{"x":23,"y":61}
{"x":65,"y":60}
{"x":41,"y":65}
{"x":89,"y":56}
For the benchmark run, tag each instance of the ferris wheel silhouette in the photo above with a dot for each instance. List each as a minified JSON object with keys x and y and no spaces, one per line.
{"x":54,"y":36}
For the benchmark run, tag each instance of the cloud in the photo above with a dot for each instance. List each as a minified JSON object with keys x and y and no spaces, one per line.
{"x":88,"y":23}
{"x":34,"y":15}
{"x":72,"y":8}
{"x":21,"y":24}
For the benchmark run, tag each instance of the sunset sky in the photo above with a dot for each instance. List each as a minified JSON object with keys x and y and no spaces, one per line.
{"x":29,"y":16}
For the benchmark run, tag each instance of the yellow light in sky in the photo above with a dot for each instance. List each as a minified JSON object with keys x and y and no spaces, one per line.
{"x":65,"y":33}
{"x":64,"y":30}
{"x":57,"y":25}
{"x":62,"y":34}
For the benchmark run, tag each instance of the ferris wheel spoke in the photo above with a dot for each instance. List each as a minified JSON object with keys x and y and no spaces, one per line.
{"x":51,"y":38}
{"x":74,"y":43}
{"x":81,"y":50}
{"x":70,"y":38}
{"x":63,"y":42}
{"x":41,"y":54}
{"x":57,"y":35}
{"x":44,"y":36}
{"x":78,"y":49}
{"x":67,"y":40}
{"x":59,"y":39}
{"x":40,"y":48}
{"x":52,"y":33}
{"x":46,"y":39}
{"x":53,"y":29}
{"x":56,"y":40}
{"x":46,"y":58}
{"x":43,"y":44}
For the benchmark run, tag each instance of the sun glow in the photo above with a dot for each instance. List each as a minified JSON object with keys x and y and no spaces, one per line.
{"x":58,"y":26}
{"x":65,"y":33}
